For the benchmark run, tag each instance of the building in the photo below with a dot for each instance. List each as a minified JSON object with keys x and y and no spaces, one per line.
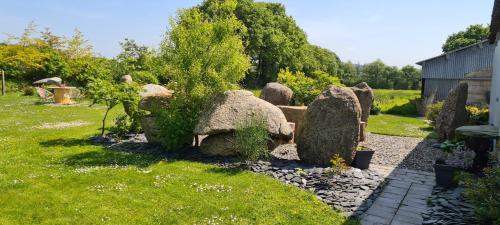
{"x":471,"y":64}
{"x":495,"y":84}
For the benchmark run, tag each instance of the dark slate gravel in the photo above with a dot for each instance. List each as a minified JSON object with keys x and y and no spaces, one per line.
{"x":449,"y":207}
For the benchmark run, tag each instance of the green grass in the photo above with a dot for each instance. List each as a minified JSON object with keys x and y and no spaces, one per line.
{"x":396,"y":101}
{"x":399,"y":126}
{"x":55,"y":176}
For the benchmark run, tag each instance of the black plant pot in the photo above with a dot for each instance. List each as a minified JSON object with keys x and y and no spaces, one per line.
{"x":362,"y":159}
{"x":445,"y":175}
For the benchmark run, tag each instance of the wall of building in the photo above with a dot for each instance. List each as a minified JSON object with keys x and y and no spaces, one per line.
{"x":495,"y":90}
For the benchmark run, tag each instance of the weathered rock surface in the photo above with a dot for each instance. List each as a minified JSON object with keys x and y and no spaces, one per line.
{"x":155,"y":90}
{"x":453,"y":114}
{"x":232,"y":108}
{"x":151,"y":130}
{"x":331,"y":127}
{"x":365,"y":97}
{"x":219,"y":145}
{"x":295,"y":114}
{"x":51,"y":80}
{"x":154,"y":104}
{"x":277,"y":94}
{"x":126,"y":79}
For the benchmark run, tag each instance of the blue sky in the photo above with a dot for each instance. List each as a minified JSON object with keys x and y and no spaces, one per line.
{"x":399,"y":32}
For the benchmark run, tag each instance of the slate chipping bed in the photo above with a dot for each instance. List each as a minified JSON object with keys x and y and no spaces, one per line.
{"x":351,"y":192}
{"x":449,"y":207}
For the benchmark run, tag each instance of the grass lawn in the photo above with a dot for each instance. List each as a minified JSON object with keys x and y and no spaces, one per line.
{"x":51,"y":174}
{"x":399,"y":126}
{"x":396,"y":101}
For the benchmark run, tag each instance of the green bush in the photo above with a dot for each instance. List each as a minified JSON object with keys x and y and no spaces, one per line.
{"x":338,"y":164}
{"x":306,"y":88}
{"x":144,"y":77}
{"x":28,"y":91}
{"x":251,"y":139}
{"x":432,"y":112}
{"x":478,"y":115}
{"x":375,"y":109}
{"x":484,"y":193}
{"x":122,"y":125}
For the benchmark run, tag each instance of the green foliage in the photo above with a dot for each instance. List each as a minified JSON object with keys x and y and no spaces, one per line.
{"x":478,"y":115}
{"x":144,"y":77}
{"x":129,"y":97}
{"x":28,"y":90}
{"x":306,"y":88}
{"x":338,"y":164}
{"x":104,"y":92}
{"x":396,"y":102}
{"x":432,"y":112}
{"x":473,"y":34}
{"x":484,"y":193}
{"x":204,"y":57}
{"x":251,"y":139}
{"x":449,"y":146}
{"x":122,"y":125}
{"x":375,"y":109}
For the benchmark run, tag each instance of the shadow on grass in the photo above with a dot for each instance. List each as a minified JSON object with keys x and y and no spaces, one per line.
{"x":69,"y":142}
{"x":111,"y":158}
{"x":225,"y":171}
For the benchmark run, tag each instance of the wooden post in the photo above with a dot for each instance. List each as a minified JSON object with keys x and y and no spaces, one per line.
{"x":3,"y":83}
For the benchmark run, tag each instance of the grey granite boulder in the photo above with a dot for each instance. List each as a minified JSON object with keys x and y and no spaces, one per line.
{"x":232,"y":108}
{"x":277,"y":94}
{"x":331,"y":127}
{"x":365,"y":97}
{"x":453,"y":114}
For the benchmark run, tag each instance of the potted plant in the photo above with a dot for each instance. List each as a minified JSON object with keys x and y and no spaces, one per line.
{"x":455,"y":157}
{"x":363,"y":157}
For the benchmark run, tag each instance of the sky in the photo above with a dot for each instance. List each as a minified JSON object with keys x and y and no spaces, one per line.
{"x":399,"y":32}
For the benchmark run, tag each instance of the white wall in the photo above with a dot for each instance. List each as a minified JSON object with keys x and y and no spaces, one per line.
{"x":495,"y":89}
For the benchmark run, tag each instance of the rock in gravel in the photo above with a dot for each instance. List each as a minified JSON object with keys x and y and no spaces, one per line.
{"x":219,"y":144}
{"x":365,"y":97}
{"x":453,"y":114}
{"x":232,"y":108}
{"x":277,"y":94}
{"x":331,"y":127}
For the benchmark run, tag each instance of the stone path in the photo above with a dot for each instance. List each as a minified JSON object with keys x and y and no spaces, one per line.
{"x":402,"y":200}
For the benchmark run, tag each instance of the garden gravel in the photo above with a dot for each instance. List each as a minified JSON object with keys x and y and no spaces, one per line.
{"x":402,"y":152}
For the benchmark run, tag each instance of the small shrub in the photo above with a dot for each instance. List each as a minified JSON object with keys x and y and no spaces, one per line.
{"x":122,"y":126}
{"x":484,"y":193}
{"x":433,"y":112}
{"x":144,"y":77}
{"x":104,"y":92}
{"x":251,"y":139}
{"x":478,"y":115}
{"x":338,"y":164}
{"x":375,"y":109}
{"x":28,"y":91}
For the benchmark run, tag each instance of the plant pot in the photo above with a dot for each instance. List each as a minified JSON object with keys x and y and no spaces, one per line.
{"x":362,"y":159}
{"x":445,"y":175}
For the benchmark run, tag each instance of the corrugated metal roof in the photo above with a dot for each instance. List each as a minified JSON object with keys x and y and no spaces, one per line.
{"x":454,"y":65}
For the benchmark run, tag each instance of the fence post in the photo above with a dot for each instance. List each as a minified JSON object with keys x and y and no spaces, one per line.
{"x":3,"y":83}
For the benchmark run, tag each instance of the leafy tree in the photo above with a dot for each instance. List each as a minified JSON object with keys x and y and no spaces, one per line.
{"x":349,"y":73}
{"x":204,"y":56}
{"x":306,"y":88}
{"x":411,"y":76}
{"x":142,"y":63}
{"x":104,"y":92}
{"x":473,"y":34}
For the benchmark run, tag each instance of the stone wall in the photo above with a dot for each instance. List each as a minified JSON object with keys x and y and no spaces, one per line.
{"x":479,"y":86}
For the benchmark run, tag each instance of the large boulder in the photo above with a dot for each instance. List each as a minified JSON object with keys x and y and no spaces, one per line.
{"x":219,"y":144}
{"x":453,"y":114}
{"x":295,"y":114}
{"x":51,"y":80}
{"x":232,"y":108}
{"x":151,"y":130}
{"x":277,"y":94}
{"x":154,"y":98}
{"x":365,"y":97}
{"x":126,"y":79}
{"x":331,"y":127}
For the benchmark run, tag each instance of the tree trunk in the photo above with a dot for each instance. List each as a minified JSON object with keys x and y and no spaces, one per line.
{"x":104,"y":122}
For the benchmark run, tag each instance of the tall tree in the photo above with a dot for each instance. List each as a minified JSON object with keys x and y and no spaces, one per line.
{"x":473,"y":34}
